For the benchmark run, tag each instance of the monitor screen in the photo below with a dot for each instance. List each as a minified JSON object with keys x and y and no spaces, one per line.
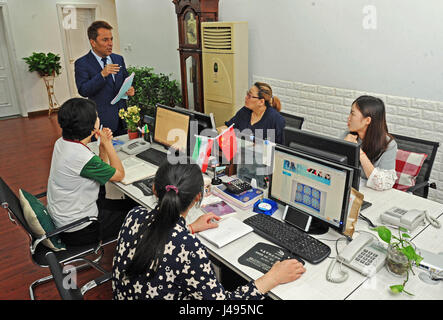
{"x":254,"y":159}
{"x":329,"y":148}
{"x":311,"y":186}
{"x":171,"y":128}
{"x":205,"y":125}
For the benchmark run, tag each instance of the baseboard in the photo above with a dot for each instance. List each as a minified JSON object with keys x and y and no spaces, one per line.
{"x":41,"y":113}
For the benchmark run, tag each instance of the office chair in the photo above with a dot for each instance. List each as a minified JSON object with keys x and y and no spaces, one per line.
{"x":11,"y":204}
{"x":73,"y":292}
{"x":422,"y":184}
{"x":292,"y":120}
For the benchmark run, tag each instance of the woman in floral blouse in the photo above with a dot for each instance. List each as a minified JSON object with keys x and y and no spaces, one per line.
{"x":159,"y":257}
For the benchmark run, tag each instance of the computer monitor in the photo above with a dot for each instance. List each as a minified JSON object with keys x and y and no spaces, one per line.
{"x":172,"y":128}
{"x":254,"y":159}
{"x":311,"y":186}
{"x":205,"y":122}
{"x":329,"y":148}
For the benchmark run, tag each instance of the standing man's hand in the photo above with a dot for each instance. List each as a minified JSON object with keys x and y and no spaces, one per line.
{"x":110,"y":69}
{"x":130,"y":92}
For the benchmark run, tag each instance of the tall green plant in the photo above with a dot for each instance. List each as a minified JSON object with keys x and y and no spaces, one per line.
{"x":152,"y":88}
{"x":44,"y":64}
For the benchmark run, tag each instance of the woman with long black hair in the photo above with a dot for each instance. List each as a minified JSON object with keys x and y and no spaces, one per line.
{"x":378,"y":150}
{"x":159,"y":257}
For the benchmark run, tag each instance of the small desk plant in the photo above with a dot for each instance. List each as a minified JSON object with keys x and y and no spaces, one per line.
{"x":401,"y":255}
{"x":132,"y":117}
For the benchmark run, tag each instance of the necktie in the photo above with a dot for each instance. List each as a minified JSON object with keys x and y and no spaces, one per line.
{"x":105,"y":60}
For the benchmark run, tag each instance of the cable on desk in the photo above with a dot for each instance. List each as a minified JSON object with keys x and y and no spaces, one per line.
{"x":367,"y":220}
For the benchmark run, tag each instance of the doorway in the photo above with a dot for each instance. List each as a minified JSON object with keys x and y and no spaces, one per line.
{"x":8,"y":95}
{"x":74,"y":21}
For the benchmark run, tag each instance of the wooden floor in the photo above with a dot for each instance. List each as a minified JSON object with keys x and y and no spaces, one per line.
{"x":25,"y":158}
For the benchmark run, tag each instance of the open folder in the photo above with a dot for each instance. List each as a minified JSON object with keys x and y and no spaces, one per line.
{"x":123,"y":89}
{"x":228,"y":230}
{"x":136,"y":169}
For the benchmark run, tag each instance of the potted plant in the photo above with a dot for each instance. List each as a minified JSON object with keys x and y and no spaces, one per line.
{"x":47,"y":66}
{"x":152,"y":88}
{"x":132,"y":118}
{"x":400,"y":256}
{"x":44,"y":64}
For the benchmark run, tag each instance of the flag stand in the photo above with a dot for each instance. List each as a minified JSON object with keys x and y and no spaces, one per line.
{"x":215,"y":181}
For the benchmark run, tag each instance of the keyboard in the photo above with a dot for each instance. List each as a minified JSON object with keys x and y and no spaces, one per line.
{"x":153,"y":156}
{"x":289,"y":237}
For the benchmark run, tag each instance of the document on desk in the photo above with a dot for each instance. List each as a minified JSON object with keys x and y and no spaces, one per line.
{"x":136,"y":169}
{"x":228,"y":230}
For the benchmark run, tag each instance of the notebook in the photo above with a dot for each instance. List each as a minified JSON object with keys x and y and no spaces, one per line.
{"x":136,"y":169}
{"x":229,"y":229}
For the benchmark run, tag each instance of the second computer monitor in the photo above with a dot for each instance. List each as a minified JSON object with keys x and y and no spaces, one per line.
{"x":172,"y":128}
{"x":204,"y":123}
{"x":325,"y":147}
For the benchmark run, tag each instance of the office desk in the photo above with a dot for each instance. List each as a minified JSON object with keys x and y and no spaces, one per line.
{"x":313,"y":284}
{"x":377,"y":287}
{"x":426,"y":237}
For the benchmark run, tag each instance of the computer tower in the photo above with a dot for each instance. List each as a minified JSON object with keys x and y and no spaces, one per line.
{"x":225,"y":68}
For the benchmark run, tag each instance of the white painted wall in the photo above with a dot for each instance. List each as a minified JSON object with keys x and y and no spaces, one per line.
{"x":323,"y":42}
{"x":35,"y":28}
{"x":149,"y":34}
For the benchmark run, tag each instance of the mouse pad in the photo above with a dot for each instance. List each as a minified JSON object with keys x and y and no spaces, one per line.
{"x":262,"y":256}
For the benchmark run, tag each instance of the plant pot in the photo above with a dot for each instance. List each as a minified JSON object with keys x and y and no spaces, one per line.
{"x":132,"y":134}
{"x":396,"y":262}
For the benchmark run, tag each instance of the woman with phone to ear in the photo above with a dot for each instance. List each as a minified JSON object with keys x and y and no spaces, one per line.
{"x":378,"y":149}
{"x":159,"y":257}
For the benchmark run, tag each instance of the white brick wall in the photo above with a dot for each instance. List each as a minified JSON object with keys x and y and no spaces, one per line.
{"x":326,"y":109}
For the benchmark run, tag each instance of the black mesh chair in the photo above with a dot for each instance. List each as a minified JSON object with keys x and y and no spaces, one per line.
{"x":69,"y":290}
{"x":422,"y":184}
{"x":292,"y":120}
{"x":11,"y":204}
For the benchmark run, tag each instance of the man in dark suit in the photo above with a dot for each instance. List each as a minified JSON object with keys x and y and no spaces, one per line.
{"x":99,"y":76}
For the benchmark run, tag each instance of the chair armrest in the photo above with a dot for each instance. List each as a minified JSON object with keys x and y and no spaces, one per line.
{"x":60,"y":230}
{"x":40,"y":195}
{"x":96,"y":282}
{"x":70,"y":226}
{"x":418,"y":186}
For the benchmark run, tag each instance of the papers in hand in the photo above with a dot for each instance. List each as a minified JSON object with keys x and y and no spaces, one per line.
{"x":228,"y":230}
{"x":123,"y":89}
{"x":136,"y":169}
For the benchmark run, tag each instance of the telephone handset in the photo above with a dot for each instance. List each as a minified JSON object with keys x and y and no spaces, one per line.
{"x":364,"y":254}
{"x":135,"y":146}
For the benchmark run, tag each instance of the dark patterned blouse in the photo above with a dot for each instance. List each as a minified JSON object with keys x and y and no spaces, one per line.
{"x":184,"y":271}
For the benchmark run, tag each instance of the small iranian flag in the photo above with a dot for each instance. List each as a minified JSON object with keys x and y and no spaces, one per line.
{"x":202,"y":151}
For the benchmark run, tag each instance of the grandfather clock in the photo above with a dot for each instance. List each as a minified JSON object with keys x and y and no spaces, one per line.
{"x":190,"y":13}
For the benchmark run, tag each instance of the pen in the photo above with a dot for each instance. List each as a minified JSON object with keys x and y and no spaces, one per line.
{"x":98,"y":139}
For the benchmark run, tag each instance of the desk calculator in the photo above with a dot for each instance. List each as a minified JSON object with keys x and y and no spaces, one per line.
{"x":237,"y":186}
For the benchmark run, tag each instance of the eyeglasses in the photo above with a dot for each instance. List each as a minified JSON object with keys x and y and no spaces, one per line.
{"x":249,"y":95}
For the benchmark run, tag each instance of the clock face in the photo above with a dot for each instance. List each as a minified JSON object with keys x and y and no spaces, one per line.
{"x":190,"y":28}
